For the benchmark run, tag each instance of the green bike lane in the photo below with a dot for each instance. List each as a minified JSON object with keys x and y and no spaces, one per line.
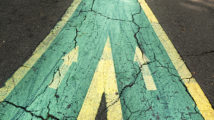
{"x":95,"y":23}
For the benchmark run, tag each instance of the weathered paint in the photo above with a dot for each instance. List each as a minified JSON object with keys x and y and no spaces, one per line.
{"x":192,"y":86}
{"x":143,"y":62}
{"x":68,"y":59}
{"x":23,"y":70}
{"x":128,"y":27}
{"x":104,"y":81}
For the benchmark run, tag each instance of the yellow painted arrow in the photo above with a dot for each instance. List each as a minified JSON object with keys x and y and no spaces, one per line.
{"x":142,"y":61}
{"x":60,"y":74}
{"x":104,"y":81}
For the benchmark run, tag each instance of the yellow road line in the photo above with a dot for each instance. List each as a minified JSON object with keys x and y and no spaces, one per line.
{"x":147,"y":76}
{"x":60,"y":74}
{"x":194,"y":89}
{"x":22,"y":71}
{"x":104,"y":81}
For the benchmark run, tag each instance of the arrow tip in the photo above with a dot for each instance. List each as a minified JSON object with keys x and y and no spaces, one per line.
{"x":140,"y":57}
{"x":72,"y":55}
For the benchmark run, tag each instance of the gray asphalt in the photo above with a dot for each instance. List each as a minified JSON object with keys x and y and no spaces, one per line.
{"x":188,"y":23}
{"x":190,"y":26}
{"x":23,"y":25}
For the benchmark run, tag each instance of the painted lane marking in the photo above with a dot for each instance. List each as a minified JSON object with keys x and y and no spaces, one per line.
{"x":193,"y":87}
{"x":43,"y":46}
{"x":79,"y":90}
{"x":68,"y":60}
{"x":147,"y":76}
{"x":104,"y":81}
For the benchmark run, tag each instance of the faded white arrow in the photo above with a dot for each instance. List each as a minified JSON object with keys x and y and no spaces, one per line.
{"x":60,"y":74}
{"x":142,"y":61}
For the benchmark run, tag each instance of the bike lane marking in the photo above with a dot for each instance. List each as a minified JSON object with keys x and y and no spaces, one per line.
{"x":103,"y":82}
{"x":167,"y":102}
{"x":143,"y":61}
{"x":193,"y":87}
{"x":136,"y":101}
{"x":37,"y":99}
{"x":43,"y":46}
{"x":60,"y":74}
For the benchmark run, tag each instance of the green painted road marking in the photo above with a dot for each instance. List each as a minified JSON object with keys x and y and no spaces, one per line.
{"x":146,"y":89}
{"x":192,"y":86}
{"x":143,"y":62}
{"x":104,"y":81}
{"x":60,"y":74}
{"x":23,"y":70}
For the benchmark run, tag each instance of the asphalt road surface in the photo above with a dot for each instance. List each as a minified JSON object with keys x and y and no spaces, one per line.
{"x":23,"y":25}
{"x":189,"y":24}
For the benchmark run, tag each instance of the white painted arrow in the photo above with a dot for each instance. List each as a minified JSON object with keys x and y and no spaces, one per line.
{"x":60,"y":74}
{"x":142,"y":61}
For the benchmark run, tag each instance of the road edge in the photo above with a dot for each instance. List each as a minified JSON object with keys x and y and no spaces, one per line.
{"x":43,"y":46}
{"x":191,"y":84}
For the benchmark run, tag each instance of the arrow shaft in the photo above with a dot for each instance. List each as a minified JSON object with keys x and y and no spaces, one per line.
{"x":148,"y":79}
{"x":104,"y":81}
{"x":60,"y":74}
{"x":147,"y":76}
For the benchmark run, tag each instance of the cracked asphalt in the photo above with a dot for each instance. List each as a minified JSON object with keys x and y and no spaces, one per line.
{"x":190,"y":26}
{"x":128,"y":28}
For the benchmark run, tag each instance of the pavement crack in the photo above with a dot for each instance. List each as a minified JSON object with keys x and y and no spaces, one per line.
{"x":75,"y":38}
{"x":25,"y":109}
{"x":105,"y":16}
{"x":33,"y":114}
{"x":92,"y":5}
{"x":187,"y":91}
{"x":138,"y":27}
{"x":101,"y":14}
{"x":200,"y":54}
{"x":110,"y":17}
{"x":50,"y":115}
{"x":125,"y":87}
{"x":131,"y":112}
